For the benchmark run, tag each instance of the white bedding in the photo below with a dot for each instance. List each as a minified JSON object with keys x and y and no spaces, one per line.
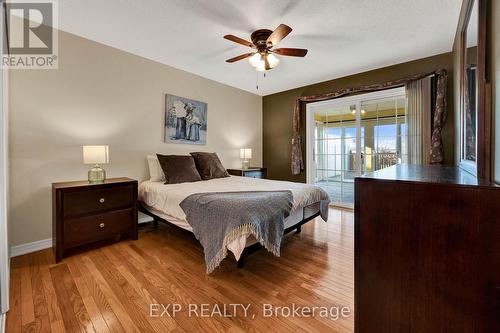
{"x":164,"y":199}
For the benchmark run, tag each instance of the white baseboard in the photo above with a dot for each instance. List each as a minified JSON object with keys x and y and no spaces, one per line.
{"x":3,"y":316}
{"x":43,"y":244}
{"x":19,"y":250}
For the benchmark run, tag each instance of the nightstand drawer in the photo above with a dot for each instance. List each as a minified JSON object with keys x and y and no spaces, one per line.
{"x":90,"y":201}
{"x":95,"y":227}
{"x":254,"y":174}
{"x":250,"y":172}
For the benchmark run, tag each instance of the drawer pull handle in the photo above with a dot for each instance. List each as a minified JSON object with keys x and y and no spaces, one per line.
{"x":101,"y":200}
{"x":101,"y":225}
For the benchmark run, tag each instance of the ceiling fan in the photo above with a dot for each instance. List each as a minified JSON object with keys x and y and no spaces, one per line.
{"x":263,"y":41}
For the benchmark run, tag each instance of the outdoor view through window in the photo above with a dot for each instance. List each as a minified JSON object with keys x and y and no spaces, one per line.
{"x":354,"y":136}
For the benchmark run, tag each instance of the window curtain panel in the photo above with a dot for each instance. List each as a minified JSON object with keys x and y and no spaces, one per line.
{"x":418,"y":119}
{"x":437,"y":152}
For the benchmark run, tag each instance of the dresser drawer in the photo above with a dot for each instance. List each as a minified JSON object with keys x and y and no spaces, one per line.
{"x":96,"y":227}
{"x":90,"y":201}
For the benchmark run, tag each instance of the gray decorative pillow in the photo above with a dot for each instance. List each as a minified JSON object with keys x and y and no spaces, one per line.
{"x":209,"y":166}
{"x":178,"y":168}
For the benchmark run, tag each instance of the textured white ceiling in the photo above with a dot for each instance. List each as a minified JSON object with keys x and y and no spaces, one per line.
{"x":343,"y":36}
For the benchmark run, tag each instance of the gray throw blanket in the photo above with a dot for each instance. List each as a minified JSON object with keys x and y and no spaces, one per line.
{"x":219,"y":218}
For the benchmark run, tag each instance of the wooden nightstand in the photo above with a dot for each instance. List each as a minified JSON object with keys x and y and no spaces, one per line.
{"x":250,"y":172}
{"x":84,"y":213}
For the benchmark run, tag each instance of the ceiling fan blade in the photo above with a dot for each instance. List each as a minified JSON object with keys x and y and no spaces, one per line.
{"x":241,"y":56}
{"x":239,"y":40}
{"x":281,"y":32}
{"x":291,"y":52}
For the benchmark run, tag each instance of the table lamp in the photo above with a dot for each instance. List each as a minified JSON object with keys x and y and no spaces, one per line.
{"x":245,"y":155}
{"x":96,"y":155}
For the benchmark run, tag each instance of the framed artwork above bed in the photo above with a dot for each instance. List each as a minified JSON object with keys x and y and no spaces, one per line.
{"x":185,"y":120}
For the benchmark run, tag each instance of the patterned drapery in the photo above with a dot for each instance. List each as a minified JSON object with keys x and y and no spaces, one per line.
{"x":437,"y":150}
{"x":297,"y":162}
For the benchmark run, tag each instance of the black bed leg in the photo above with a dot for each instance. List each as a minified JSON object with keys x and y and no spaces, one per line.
{"x":240,"y":263}
{"x":299,"y":229}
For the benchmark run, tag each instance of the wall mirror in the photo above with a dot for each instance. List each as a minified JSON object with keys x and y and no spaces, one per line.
{"x":469,"y":91}
{"x":474,"y":120}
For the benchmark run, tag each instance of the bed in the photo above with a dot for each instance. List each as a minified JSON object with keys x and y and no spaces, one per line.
{"x":226,"y":213}
{"x":162,"y":201}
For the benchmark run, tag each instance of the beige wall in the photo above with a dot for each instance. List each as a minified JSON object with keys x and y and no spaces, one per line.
{"x":101,"y":95}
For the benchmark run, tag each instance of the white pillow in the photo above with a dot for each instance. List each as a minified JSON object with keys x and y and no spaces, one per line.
{"x":155,"y":171}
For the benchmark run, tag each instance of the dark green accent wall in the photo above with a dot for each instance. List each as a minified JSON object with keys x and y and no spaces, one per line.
{"x":278,"y":108}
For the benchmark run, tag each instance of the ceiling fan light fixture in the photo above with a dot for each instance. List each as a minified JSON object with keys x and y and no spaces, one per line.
{"x":255,"y":59}
{"x":259,"y":61}
{"x":263,"y":43}
{"x":273,"y":60}
{"x":261,"y":67}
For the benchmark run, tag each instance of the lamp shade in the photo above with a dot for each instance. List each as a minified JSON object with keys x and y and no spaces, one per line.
{"x":95,"y":154}
{"x":259,"y":61}
{"x":255,"y":59}
{"x":245,"y":153}
{"x":273,"y":60}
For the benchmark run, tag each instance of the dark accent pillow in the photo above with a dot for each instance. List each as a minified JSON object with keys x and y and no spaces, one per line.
{"x":178,"y":168}
{"x":209,"y":165}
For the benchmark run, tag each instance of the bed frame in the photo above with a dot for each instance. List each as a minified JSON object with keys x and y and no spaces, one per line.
{"x":309,"y":213}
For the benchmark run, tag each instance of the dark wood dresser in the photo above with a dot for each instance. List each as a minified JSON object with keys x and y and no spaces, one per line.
{"x":252,"y":172}
{"x":84,"y":213}
{"x":427,"y":249}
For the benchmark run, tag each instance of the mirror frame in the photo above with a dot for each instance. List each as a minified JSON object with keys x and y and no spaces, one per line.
{"x":483,"y":125}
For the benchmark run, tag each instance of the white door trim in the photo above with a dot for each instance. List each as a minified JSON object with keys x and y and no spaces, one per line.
{"x":2,"y":322}
{"x":310,"y":167}
{"x":4,"y":247}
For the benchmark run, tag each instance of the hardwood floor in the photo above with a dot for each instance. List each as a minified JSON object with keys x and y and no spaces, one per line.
{"x":110,"y":289}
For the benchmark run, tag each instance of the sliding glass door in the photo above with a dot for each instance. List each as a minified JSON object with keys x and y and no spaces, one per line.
{"x":334,"y":145}
{"x":351,"y":136}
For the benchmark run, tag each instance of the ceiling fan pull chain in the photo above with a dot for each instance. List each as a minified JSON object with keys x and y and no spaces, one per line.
{"x":263,"y":76}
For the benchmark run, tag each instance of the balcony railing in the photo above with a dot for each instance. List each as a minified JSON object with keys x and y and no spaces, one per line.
{"x":379,"y":160}
{"x":385,"y":160}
